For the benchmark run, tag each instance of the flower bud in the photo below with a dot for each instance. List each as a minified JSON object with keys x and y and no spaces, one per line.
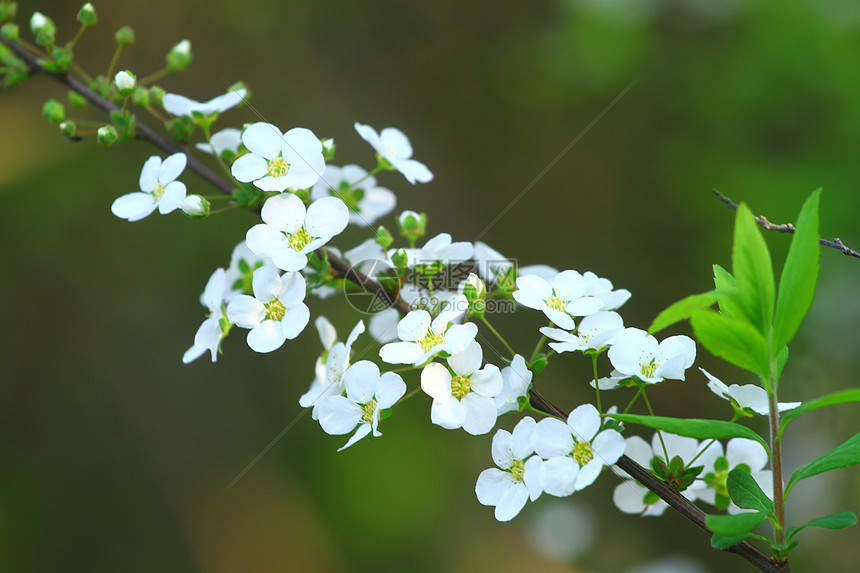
{"x":383,"y":238}
{"x":87,"y":15}
{"x":107,"y":135}
{"x":8,"y":11}
{"x":38,"y":21}
{"x":43,"y":28}
{"x":400,"y":259}
{"x":124,"y":36}
{"x":69,"y":130}
{"x":125,"y":82}
{"x":54,"y":111}
{"x":155,"y":95}
{"x":141,"y":96}
{"x":179,"y":57}
{"x":328,"y":150}
{"x":76,"y":100}
{"x":195,"y":206}
{"x":9,"y":32}
{"x":412,"y":225}
{"x":476,"y":293}
{"x":539,"y":364}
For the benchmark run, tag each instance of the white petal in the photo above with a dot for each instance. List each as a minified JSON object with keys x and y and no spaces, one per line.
{"x":327,"y":332}
{"x":744,"y":451}
{"x":479,"y":414}
{"x":584,"y":422}
{"x":521,"y":438}
{"x":467,"y":361}
{"x":436,"y":382}
{"x":149,"y":173}
{"x":172,"y":168}
{"x":487,"y":381}
{"x":266,"y":337}
{"x":492,"y":485}
{"x":608,"y":446}
{"x":173,"y":196}
{"x":245,"y":311}
{"x":338,"y":415}
{"x":552,"y":438}
{"x":369,"y":135}
{"x":512,"y":502}
{"x":361,"y":432}
{"x":284,"y":212}
{"x":389,"y":390}
{"x":249,"y":167}
{"x":133,"y":206}
{"x":263,"y":139}
{"x":447,"y":413}
{"x":295,"y":320}
{"x":401,"y":353}
{"x":327,"y":217}
{"x":558,"y":475}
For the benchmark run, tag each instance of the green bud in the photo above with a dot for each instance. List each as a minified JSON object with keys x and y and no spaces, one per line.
{"x":8,"y":11}
{"x":107,"y":135}
{"x":539,"y":364}
{"x":9,"y":32}
{"x":400,"y":259}
{"x":195,"y":207}
{"x":87,"y":15}
{"x":328,"y":151}
{"x":69,"y":130}
{"x":476,"y":294}
{"x":43,"y":28}
{"x":383,"y":238}
{"x":54,"y":111}
{"x":179,"y":129}
{"x":76,"y":100}
{"x":124,"y":36}
{"x":141,"y":96}
{"x":155,"y":95}
{"x":412,"y":225}
{"x":179,"y":57}
{"x":125,"y":83}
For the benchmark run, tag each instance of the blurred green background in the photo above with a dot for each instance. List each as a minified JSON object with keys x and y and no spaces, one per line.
{"x":114,"y":455}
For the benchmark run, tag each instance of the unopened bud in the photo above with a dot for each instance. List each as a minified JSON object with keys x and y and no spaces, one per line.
{"x":125,"y":82}
{"x":195,"y":206}
{"x":412,"y":225}
{"x":383,"y":238}
{"x":87,"y":15}
{"x":124,"y":36}
{"x":54,"y":111}
{"x":179,"y":57}
{"x":107,"y":135}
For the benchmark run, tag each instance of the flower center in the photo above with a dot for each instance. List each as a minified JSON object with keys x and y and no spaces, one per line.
{"x":299,"y":240}
{"x":391,"y":152}
{"x":158,"y":192}
{"x":583,"y":453}
{"x":278,"y":167}
{"x":430,"y":340}
{"x":556,"y":303}
{"x":275,"y":310}
{"x":518,"y":469}
{"x":367,"y":411}
{"x":460,"y":386}
{"x":648,"y":369}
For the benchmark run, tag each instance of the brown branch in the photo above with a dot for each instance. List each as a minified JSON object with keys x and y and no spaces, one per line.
{"x":788,"y":228}
{"x":343,"y":269}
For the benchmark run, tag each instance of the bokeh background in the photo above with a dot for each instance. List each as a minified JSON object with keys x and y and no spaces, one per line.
{"x":114,"y":455}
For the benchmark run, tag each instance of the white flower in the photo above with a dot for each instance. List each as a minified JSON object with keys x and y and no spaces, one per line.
{"x":183,"y":47}
{"x":331,"y":365}
{"x":747,"y":396}
{"x":464,"y":400}
{"x":518,"y":480}
{"x":367,"y":394}
{"x":275,"y":313}
{"x":158,"y":188}
{"x":560,"y":299}
{"x":739,"y":451}
{"x":124,"y":81}
{"x":423,"y":339}
{"x":602,"y":289}
{"x":289,"y":231}
{"x":545,"y":272}
{"x":636,"y":353}
{"x":575,"y":451}
{"x":180,"y":105}
{"x":195,"y":206}
{"x":595,"y":332}
{"x":516,"y":379}
{"x":228,"y":139}
{"x":279,"y":161}
{"x":394,"y":147}
{"x":210,"y":333}
{"x":351,"y":183}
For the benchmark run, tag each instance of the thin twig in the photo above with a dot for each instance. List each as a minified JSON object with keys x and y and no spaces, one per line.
{"x":788,"y":228}
{"x":343,"y":269}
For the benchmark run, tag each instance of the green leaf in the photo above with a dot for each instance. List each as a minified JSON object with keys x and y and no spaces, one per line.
{"x":693,"y":428}
{"x":842,"y":456}
{"x":681,"y":310}
{"x":724,"y":281}
{"x":746,"y":493}
{"x":839,"y":520}
{"x":733,"y":340}
{"x":843,"y":397}
{"x":737,"y":524}
{"x":753,"y":271}
{"x":799,"y":275}
{"x":725,"y":541}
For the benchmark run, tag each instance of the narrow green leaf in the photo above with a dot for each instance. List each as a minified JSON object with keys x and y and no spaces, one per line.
{"x":842,"y":456}
{"x":681,"y":310}
{"x":725,"y":541}
{"x":733,"y":340}
{"x":753,"y":270}
{"x":799,"y":275}
{"x":839,"y":520}
{"x":746,"y":493}
{"x":737,"y":524}
{"x":693,"y":428}
{"x":843,"y":397}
